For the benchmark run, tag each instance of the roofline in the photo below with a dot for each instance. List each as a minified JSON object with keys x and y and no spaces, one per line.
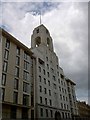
{"x":68,"y":80}
{"x":14,"y":40}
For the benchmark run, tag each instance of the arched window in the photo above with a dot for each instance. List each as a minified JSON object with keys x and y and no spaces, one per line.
{"x":48,"y":41}
{"x":38,"y":41}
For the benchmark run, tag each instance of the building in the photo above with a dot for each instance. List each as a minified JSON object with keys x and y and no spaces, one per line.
{"x":16,"y":79}
{"x":83,"y":109}
{"x":33,"y":83}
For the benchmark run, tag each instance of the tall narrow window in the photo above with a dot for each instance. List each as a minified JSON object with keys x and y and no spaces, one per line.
{"x":26,"y":56}
{"x":46,"y":112}
{"x":39,"y":78}
{"x":16,"y":84}
{"x":50,"y":92}
{"x":45,"y":90}
{"x":48,"y":82}
{"x":46,"y":101}
{"x":26,"y":75}
{"x":25,"y":99}
{"x":43,"y":71}
{"x":25,"y":87}
{"x":16,"y":71}
{"x":17,"y":60}
{"x":7,"y":44}
{"x":15,"y":97}
{"x":50,"y":102}
{"x":41,"y":111}
{"x":2,"y":94}
{"x":48,"y":74}
{"x":5,"y":66}
{"x":44,"y":80}
{"x":39,"y":69}
{"x":40,"y":99}
{"x":40,"y":88}
{"x":51,"y":113}
{"x":3,"y":79}
{"x":6,"y":54}
{"x":18,"y":51}
{"x":26,"y":65}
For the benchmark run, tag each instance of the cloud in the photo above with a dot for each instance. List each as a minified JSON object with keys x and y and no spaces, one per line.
{"x":68,"y":26}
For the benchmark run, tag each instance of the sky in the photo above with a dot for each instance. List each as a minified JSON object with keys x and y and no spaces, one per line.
{"x":67,"y":23}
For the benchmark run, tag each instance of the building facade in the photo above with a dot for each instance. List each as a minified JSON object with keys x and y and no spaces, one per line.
{"x":16,"y":78}
{"x":33,"y":84}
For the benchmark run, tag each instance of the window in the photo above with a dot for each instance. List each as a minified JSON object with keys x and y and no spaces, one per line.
{"x":39,"y":69}
{"x":2,"y":94}
{"x":7,"y":44}
{"x":37,"y":30}
{"x":46,"y":58}
{"x":46,"y":112}
{"x":48,"y":74}
{"x":39,"y":78}
{"x":62,"y":90}
{"x":5,"y":66}
{"x":16,"y":71}
{"x":48,"y":82}
{"x":58,"y":73}
{"x":15,"y":97}
{"x":41,"y":111}
{"x":50,"y":102}
{"x":54,"y":78}
{"x":59,"y":81}
{"x":47,"y":66}
{"x":46,"y":101}
{"x":44,"y":80}
{"x":26,"y":65}
{"x":25,"y":56}
{"x":16,"y":84}
{"x":66,"y":99}
{"x":40,"y":88}
{"x":64,"y":106}
{"x":17,"y":60}
{"x":61,"y":105}
{"x":62,"y":114}
{"x":25,"y":99}
{"x":67,"y":107}
{"x":26,"y":75}
{"x":25,"y":87}
{"x":62,"y":76}
{"x":59,"y":88}
{"x":51,"y":113}
{"x":60,"y":96}
{"x":6,"y":54}
{"x":43,"y":71}
{"x":40,"y":99}
{"x":3,"y":79}
{"x":50,"y":92}
{"x":45,"y":90}
{"x":54,"y":85}
{"x":18,"y":51}
{"x":63,"y":98}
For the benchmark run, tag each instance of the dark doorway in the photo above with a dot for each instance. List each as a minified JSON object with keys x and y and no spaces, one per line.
{"x":13,"y":112}
{"x":57,"y":116}
{"x":24,"y":113}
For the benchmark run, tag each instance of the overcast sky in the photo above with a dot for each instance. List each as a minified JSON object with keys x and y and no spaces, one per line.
{"x":67,"y":23}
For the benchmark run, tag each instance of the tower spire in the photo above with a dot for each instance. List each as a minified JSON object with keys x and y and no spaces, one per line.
{"x":40,"y":18}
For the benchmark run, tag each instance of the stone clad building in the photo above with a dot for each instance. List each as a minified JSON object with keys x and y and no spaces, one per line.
{"x":33,"y":84}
